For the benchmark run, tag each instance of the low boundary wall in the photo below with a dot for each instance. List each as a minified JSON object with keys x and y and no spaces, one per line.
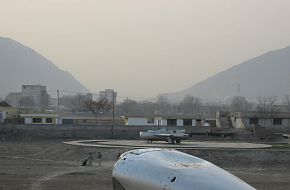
{"x":82,"y":131}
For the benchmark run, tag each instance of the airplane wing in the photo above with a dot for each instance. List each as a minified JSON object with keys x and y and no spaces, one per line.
{"x":162,"y":135}
{"x":169,"y":169}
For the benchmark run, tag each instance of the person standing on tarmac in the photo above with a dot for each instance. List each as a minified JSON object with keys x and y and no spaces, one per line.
{"x":90,"y":159}
{"x":99,"y":158}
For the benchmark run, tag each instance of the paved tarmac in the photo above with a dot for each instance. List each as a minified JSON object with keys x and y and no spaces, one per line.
{"x":52,"y":165}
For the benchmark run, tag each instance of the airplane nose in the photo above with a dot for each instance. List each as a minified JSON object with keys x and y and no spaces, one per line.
{"x":156,"y":169}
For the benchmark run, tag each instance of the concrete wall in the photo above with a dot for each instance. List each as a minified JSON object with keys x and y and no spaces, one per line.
{"x":83,"y":132}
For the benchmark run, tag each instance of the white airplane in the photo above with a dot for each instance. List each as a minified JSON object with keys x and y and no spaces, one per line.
{"x":169,"y":169}
{"x":171,"y":136}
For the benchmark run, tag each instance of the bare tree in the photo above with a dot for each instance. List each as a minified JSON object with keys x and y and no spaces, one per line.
{"x":128,"y":106}
{"x":240,"y":104}
{"x":267,"y":104}
{"x":272,"y":102}
{"x":190,"y":104}
{"x":98,"y":108}
{"x":75,"y":103}
{"x":286,"y":102}
{"x":79,"y":102}
{"x":163,"y":104}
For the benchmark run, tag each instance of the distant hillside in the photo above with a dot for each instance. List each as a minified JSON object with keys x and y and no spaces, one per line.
{"x":266,"y":75}
{"x":22,"y":65}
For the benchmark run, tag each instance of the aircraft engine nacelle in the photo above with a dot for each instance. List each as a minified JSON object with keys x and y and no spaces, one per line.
{"x":166,"y":169}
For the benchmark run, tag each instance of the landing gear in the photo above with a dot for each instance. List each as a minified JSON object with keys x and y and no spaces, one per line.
{"x":149,"y":141}
{"x":172,"y":140}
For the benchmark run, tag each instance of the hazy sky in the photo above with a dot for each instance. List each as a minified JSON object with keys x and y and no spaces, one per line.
{"x":145,"y":47}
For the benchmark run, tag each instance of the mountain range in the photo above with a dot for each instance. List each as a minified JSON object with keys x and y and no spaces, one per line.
{"x":265,"y":75}
{"x":22,"y":65}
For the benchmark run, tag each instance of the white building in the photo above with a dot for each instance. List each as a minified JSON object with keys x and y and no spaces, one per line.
{"x":178,"y":120}
{"x":277,"y":120}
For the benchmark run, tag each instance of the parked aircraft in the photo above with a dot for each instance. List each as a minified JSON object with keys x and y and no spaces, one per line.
{"x":171,"y":136}
{"x":168,"y":169}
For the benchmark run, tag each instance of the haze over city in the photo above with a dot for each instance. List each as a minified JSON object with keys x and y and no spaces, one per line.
{"x":145,"y":94}
{"x":143,"y":48}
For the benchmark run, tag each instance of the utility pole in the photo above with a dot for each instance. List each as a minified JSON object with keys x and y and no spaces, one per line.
{"x":57,"y":101}
{"x":112,"y":128}
{"x":58,"y":118}
{"x":113,"y":107}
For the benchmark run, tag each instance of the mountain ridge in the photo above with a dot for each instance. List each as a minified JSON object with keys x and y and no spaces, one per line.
{"x":255,"y":77}
{"x":21,"y":64}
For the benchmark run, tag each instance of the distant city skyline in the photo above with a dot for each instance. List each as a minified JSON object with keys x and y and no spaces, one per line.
{"x":143,"y":48}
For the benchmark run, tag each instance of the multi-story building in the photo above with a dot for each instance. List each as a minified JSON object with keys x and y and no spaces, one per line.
{"x":13,"y":98}
{"x":109,"y":94}
{"x":35,"y":96}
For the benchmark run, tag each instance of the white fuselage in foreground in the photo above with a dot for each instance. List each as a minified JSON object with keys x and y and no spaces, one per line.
{"x":167,"y":169}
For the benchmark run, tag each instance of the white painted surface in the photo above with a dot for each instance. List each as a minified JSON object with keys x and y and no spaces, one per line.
{"x":2,"y":116}
{"x":28,"y":120}
{"x":158,"y":121}
{"x":206,"y":124}
{"x":141,"y":121}
{"x":193,"y":122}
{"x":163,"y":122}
{"x":59,"y":121}
{"x":168,"y":169}
{"x":179,"y":122}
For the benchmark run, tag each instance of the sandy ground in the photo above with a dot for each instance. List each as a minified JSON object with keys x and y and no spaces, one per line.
{"x":45,"y":165}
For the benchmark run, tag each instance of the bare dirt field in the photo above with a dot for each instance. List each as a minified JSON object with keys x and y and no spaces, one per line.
{"x":44,"y":165}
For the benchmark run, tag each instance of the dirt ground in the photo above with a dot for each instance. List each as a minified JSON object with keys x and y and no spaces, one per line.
{"x":46,"y":165}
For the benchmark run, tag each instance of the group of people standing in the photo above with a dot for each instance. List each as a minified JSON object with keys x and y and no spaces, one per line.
{"x":89,"y":160}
